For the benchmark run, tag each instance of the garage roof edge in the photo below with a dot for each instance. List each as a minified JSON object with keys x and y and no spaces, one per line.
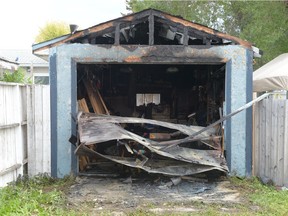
{"x":145,"y":13}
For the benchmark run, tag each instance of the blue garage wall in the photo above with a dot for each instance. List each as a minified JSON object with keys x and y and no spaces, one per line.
{"x":63,"y":60}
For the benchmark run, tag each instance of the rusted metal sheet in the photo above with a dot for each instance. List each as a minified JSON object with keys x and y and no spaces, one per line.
{"x":144,"y":153}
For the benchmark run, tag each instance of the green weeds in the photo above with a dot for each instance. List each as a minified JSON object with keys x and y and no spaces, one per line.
{"x":41,"y":195}
{"x":268,"y":200}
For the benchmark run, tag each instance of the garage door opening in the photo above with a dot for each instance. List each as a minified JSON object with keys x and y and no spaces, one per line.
{"x":164,"y":102}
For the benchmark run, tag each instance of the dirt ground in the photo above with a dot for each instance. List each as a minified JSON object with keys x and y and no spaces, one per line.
{"x":119,"y":196}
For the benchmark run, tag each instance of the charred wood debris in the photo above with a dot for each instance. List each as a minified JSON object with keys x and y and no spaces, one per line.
{"x":110,"y":145}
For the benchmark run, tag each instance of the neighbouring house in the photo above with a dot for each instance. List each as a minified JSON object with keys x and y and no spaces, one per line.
{"x":7,"y":65}
{"x":184,"y":70}
{"x":35,"y":67}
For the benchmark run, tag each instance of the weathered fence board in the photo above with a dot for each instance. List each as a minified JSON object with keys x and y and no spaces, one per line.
{"x":38,"y":114}
{"x":271,"y":140}
{"x":17,"y":104}
{"x":11,"y":139}
{"x":25,"y":134}
{"x":285,"y":150}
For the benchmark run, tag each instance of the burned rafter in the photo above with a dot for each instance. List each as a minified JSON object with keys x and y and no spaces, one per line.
{"x":111,"y":28}
{"x":207,"y":34}
{"x":185,"y":36}
{"x":151,"y":29}
{"x":117,"y":34}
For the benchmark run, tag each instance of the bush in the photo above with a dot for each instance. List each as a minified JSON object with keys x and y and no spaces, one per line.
{"x":18,"y":76}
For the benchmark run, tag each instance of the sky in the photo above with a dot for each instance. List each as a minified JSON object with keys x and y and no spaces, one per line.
{"x":20,"y":20}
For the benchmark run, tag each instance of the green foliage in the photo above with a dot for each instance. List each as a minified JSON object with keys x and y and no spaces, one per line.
{"x":263,"y":23}
{"x":203,"y":12}
{"x":52,"y":30}
{"x":18,"y":76}
{"x":41,"y":195}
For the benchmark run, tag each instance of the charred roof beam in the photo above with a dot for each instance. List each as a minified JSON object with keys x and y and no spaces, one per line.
{"x":122,"y":27}
{"x":151,"y":29}
{"x":185,"y":36}
{"x":117,"y":34}
{"x":139,"y":17}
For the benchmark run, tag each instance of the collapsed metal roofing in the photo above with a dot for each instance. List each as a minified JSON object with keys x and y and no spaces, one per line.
{"x":164,"y":157}
{"x":148,"y":27}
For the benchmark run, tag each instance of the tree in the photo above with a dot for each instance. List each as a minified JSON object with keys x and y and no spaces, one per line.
{"x":203,"y":12}
{"x":52,"y":30}
{"x":263,"y":23}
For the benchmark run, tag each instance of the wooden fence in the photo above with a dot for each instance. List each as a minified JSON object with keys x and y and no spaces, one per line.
{"x":25,"y":134}
{"x":271,"y":141}
{"x":24,"y":130}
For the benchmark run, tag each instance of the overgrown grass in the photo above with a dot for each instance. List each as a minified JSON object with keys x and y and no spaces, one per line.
{"x":269,"y":200}
{"x":41,"y":195}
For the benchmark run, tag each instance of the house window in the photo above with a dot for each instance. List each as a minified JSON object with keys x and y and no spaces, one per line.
{"x":43,"y":80}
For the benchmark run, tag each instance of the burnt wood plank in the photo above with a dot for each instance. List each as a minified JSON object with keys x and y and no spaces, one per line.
{"x":82,"y":105}
{"x":83,"y":159}
{"x":95,"y":98}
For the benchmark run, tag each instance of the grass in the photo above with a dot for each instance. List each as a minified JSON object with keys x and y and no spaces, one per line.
{"x":269,"y":200}
{"x":41,"y":195}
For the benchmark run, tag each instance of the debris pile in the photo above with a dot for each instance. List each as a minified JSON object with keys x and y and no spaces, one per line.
{"x":150,"y":145}
{"x":145,"y":144}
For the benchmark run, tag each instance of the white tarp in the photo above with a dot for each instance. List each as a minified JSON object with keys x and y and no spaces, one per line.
{"x":272,"y":76}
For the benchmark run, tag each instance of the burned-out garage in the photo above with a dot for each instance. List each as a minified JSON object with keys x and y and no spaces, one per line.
{"x":136,"y":95}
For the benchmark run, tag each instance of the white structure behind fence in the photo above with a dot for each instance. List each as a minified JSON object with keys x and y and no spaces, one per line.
{"x":271,"y":140}
{"x":24,"y":130}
